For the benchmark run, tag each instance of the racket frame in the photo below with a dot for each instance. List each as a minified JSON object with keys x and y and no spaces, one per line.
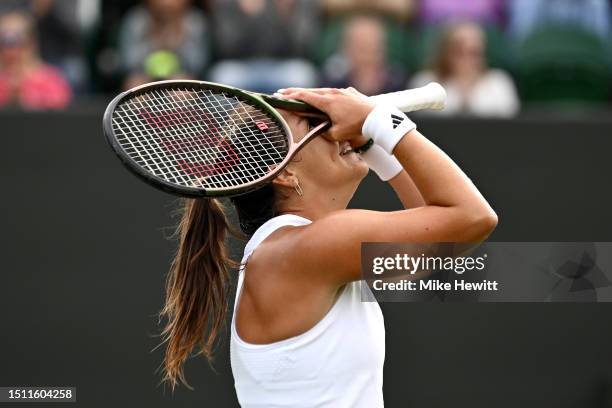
{"x":258,"y":100}
{"x":432,"y":96}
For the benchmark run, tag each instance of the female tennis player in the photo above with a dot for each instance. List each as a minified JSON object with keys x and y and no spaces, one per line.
{"x":300,"y":335}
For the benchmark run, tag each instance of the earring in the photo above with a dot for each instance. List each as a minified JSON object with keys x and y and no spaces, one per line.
{"x":298,"y":189}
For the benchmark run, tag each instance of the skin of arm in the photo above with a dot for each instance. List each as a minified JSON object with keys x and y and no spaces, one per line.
{"x":407,"y":191}
{"x":296,"y":274}
{"x":453,"y":210}
{"x":402,"y":184}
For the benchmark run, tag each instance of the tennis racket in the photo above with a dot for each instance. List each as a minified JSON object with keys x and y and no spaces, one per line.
{"x":201,"y":139}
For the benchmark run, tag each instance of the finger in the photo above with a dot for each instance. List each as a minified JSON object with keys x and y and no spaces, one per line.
{"x":314,"y":99}
{"x":358,"y":141}
{"x":352,"y":91}
{"x":321,"y":91}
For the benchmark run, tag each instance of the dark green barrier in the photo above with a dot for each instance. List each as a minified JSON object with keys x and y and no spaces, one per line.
{"x":84,"y":253}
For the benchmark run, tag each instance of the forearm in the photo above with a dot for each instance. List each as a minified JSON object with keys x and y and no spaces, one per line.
{"x":406,"y":190}
{"x":438,"y":179}
{"x":452,"y":202}
{"x":388,"y":169}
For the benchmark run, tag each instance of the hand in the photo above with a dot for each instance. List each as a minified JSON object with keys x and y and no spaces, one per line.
{"x":358,"y":141}
{"x":347,"y":109}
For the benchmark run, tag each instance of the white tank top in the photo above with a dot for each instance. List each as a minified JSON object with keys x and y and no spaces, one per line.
{"x":337,"y":363}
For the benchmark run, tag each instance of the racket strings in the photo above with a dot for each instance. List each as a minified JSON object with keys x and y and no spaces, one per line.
{"x":199,"y":137}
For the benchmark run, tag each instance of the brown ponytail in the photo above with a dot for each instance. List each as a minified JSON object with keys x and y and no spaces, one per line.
{"x":196,"y":289}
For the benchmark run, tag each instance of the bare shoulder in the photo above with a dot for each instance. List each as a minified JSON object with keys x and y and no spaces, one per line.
{"x":279,"y":299}
{"x":320,"y":251}
{"x":326,"y":253}
{"x":293,"y":251}
{"x":270,"y":258}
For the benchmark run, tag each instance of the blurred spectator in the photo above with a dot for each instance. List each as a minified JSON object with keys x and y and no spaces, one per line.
{"x":527,"y":15}
{"x":363,"y":60}
{"x":473,"y":89}
{"x":24,"y":79}
{"x":163,"y":39}
{"x":440,"y":12}
{"x":264,"y":45}
{"x":108,"y":71}
{"x":59,"y":25}
{"x":398,"y":9}
{"x":60,"y":38}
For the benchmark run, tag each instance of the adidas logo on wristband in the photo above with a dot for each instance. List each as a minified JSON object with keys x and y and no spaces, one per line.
{"x":397,"y":120}
{"x":376,"y":126}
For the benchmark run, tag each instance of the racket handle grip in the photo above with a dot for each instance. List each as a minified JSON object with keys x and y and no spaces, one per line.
{"x":431,"y":96}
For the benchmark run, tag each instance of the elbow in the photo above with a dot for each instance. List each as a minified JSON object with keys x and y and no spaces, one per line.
{"x":483,"y":223}
{"x":490,"y":222}
{"x":477,"y":225}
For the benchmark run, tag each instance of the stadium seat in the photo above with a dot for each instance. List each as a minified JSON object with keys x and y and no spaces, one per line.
{"x":564,"y":64}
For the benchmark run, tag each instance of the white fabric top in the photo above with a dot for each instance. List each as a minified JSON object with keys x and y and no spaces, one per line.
{"x":337,"y":363}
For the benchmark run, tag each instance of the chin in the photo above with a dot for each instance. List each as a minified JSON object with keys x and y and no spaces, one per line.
{"x":361,"y":169}
{"x":357,"y":168}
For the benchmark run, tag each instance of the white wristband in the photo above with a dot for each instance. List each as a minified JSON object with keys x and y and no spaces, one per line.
{"x":386,"y":166}
{"x":387,"y":125}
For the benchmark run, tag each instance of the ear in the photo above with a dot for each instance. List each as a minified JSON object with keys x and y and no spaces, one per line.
{"x":286,"y":178}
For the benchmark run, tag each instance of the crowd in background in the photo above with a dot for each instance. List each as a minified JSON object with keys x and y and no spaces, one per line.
{"x":493,"y":56}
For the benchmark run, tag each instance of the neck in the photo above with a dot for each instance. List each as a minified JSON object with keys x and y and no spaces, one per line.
{"x":316,"y":203}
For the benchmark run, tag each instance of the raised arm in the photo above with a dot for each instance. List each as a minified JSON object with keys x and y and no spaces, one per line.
{"x":453,"y":210}
{"x":391,"y":171}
